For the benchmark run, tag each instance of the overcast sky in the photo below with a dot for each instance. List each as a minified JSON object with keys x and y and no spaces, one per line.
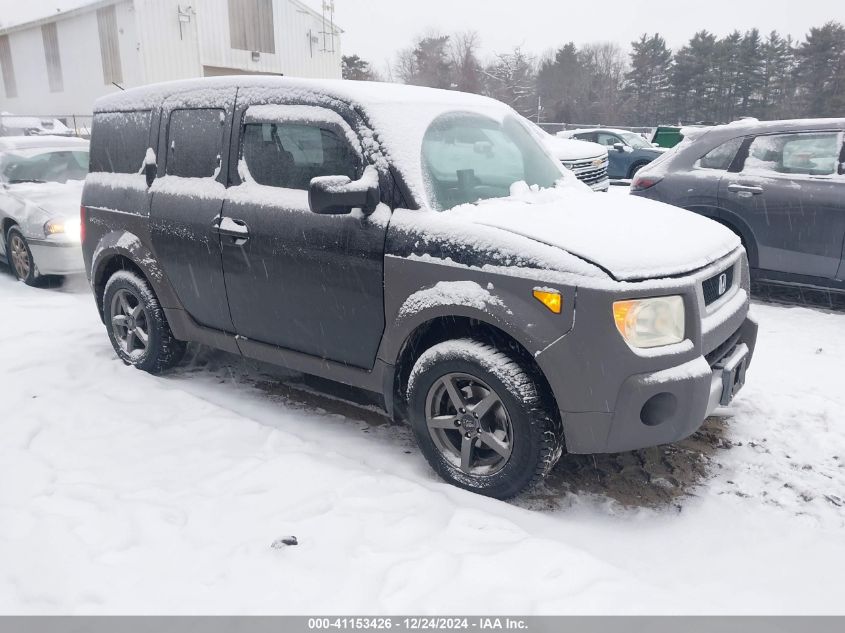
{"x":376,"y":29}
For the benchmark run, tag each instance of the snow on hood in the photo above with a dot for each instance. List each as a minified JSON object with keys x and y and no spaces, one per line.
{"x":573,"y":149}
{"x":56,"y":199}
{"x":632,"y":238}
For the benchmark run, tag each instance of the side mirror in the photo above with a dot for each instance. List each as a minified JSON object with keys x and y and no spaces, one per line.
{"x":337,"y":195}
{"x":619,"y":147}
{"x":150,"y":171}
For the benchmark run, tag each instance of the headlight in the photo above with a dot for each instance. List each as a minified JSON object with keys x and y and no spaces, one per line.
{"x":69,"y":227}
{"x":650,"y":322}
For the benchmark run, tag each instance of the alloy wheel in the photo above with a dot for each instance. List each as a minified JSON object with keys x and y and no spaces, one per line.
{"x":130,"y":322}
{"x":20,"y":257}
{"x":469,"y":424}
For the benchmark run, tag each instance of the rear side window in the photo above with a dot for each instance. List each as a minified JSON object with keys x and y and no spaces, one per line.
{"x":814,"y":154}
{"x":119,"y":141}
{"x":289,"y":155}
{"x":720,"y":157}
{"x":194,"y":142}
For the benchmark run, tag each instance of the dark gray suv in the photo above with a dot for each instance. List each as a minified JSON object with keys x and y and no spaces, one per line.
{"x":416,"y":243}
{"x":779,"y":185}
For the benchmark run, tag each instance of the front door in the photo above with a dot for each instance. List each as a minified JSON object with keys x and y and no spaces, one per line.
{"x":788,"y":190}
{"x":295,"y":279}
{"x":187,"y":201}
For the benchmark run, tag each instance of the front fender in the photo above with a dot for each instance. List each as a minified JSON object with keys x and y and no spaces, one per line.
{"x":418,"y":291}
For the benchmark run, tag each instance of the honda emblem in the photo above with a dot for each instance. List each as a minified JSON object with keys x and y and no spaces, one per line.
{"x":723,"y":283}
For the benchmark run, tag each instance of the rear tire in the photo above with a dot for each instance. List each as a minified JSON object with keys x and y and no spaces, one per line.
{"x":20,"y":257}
{"x":515,"y":440}
{"x":634,"y":169}
{"x":136,"y":325}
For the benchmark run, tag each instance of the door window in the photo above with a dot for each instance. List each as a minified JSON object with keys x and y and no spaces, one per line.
{"x":289,"y":155}
{"x":194,"y":141}
{"x":813,"y":154}
{"x":608,"y":140}
{"x":720,"y":157}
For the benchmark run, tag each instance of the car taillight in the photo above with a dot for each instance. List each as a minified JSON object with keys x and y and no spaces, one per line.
{"x":81,"y":224}
{"x":644,"y":182}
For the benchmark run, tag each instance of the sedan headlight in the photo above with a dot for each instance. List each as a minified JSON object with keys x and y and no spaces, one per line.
{"x":69,"y":227}
{"x":650,"y":322}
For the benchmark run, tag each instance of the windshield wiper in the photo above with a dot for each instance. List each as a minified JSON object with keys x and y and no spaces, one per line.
{"x":21,"y":180}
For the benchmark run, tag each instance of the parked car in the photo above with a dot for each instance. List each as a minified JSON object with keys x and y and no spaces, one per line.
{"x":779,"y":185}
{"x":41,"y":182}
{"x":627,"y":152}
{"x":417,"y":243}
{"x":15,"y":125}
{"x":588,"y":161}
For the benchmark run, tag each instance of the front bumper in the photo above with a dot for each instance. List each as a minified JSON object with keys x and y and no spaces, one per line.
{"x":614,"y":399}
{"x":57,"y":258}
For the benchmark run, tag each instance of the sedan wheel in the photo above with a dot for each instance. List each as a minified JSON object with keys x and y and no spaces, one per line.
{"x":20,"y":257}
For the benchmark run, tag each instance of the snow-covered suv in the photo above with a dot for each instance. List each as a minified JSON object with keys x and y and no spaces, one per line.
{"x":420,"y":244}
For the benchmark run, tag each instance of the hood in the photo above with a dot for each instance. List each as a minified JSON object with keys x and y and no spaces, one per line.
{"x":55,"y":199}
{"x":573,"y":149}
{"x":631,"y":238}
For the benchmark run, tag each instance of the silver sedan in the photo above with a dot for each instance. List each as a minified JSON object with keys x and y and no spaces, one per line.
{"x":41,"y":182}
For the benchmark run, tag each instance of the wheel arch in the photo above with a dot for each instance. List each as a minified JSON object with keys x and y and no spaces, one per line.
{"x":121,"y":250}
{"x":444,"y":327}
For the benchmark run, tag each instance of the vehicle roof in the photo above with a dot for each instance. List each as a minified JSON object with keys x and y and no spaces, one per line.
{"x":752,"y":126}
{"x":33,"y":142}
{"x":358,"y":92}
{"x":612,"y":130}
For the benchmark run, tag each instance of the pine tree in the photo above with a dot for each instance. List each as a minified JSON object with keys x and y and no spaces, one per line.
{"x":820,"y":65}
{"x":648,"y":81}
{"x":695,"y":78}
{"x":353,"y":67}
{"x":777,"y":86}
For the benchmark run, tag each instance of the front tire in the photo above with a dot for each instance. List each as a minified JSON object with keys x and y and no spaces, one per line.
{"x":634,"y":169}
{"x":136,"y":325}
{"x":20,"y":257}
{"x":480,"y":420}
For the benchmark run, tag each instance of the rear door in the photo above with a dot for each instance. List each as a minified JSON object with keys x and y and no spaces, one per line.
{"x":187,"y":201}
{"x":787,"y":188}
{"x":295,"y":279}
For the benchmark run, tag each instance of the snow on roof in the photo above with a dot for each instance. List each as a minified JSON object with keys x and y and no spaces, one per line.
{"x":399,"y":114}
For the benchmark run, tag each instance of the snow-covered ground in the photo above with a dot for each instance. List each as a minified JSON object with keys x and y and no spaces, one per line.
{"x":126,"y":493}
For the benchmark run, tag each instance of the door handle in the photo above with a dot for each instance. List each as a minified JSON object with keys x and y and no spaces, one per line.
{"x":745,"y":191}
{"x":230,"y":227}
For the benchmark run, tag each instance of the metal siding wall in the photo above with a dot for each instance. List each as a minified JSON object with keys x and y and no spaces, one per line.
{"x":109,"y":45}
{"x":293,"y":55}
{"x":251,"y":25}
{"x":8,"y":68}
{"x":52,"y":57}
{"x":167,"y":51}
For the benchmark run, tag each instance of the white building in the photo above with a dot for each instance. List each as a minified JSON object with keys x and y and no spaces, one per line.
{"x":60,"y":64}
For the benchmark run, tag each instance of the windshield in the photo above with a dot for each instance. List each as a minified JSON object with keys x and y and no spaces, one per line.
{"x":47,"y":166}
{"x":468,"y":157}
{"x":635,"y":140}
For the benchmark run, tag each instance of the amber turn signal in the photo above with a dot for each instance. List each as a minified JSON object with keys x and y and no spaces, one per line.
{"x":551,"y":299}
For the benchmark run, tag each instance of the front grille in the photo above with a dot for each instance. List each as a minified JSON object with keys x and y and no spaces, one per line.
{"x":713,"y":285}
{"x":723,"y":350}
{"x":588,"y":171}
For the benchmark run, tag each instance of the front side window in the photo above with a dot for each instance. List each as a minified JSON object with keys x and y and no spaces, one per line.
{"x":813,"y":154}
{"x":720,"y":157}
{"x":635,"y":140}
{"x":48,"y":166}
{"x":289,"y":155}
{"x":194,"y":142}
{"x":468,"y":157}
{"x":608,"y":140}
{"x":119,"y":141}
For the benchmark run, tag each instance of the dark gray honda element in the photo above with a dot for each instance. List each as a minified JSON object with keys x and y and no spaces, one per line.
{"x":779,"y":185}
{"x":416,"y":243}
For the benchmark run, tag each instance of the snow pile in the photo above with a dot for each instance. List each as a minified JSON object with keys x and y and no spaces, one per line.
{"x":122,"y":492}
{"x":463,"y":293}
